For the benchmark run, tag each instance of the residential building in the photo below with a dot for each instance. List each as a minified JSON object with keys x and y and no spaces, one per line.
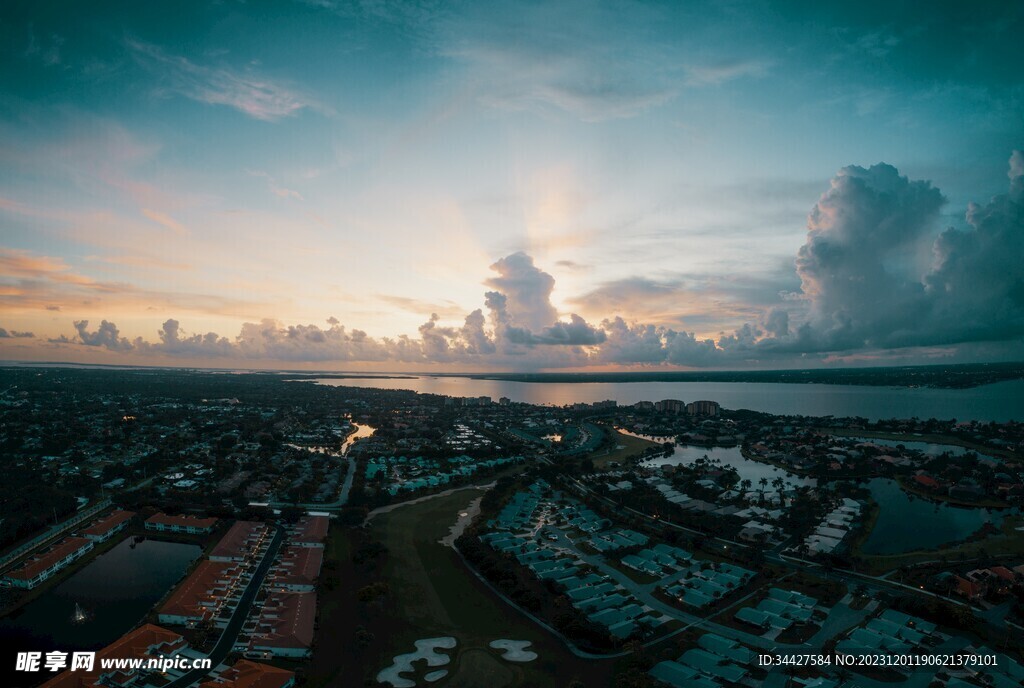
{"x":296,"y":570}
{"x":241,"y":541}
{"x":201,"y":596}
{"x":146,"y":642}
{"x":105,"y":528}
{"x":310,"y":531}
{"x":246,"y":674}
{"x":285,"y":626}
{"x":44,"y":565}
{"x":192,"y":525}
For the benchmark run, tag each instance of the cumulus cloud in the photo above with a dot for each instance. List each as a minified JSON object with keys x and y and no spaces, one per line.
{"x":106,"y":336}
{"x":527,"y":290}
{"x":857,"y":267}
{"x":875,"y":275}
{"x":866,"y":284}
{"x":15,"y":334}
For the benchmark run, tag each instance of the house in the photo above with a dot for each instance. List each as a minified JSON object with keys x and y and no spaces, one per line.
{"x":712,"y":665}
{"x":146,"y":642}
{"x":202,"y":595}
{"x":970,"y":589}
{"x":43,"y":566}
{"x":246,"y":674}
{"x":241,"y":541}
{"x":103,"y":529}
{"x":310,"y":531}
{"x":192,"y":525}
{"x":285,"y":626}
{"x":297,"y":569}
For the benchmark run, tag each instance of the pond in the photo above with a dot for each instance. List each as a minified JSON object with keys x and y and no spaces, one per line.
{"x":926,"y":448}
{"x":907,"y":523}
{"x":731,"y":457}
{"x":115,"y":591}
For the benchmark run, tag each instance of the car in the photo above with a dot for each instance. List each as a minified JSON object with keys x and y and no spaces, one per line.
{"x":551,"y":536}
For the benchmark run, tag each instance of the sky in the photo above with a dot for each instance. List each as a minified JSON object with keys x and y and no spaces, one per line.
{"x":471,"y":186}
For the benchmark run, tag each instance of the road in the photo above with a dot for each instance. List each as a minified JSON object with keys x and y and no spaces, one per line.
{"x":230,"y":634}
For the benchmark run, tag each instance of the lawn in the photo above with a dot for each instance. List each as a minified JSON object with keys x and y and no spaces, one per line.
{"x":930,"y":438}
{"x":431,"y":593}
{"x":624,"y":447}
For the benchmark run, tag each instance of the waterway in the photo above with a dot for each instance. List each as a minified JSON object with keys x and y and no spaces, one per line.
{"x":361,"y":431}
{"x":998,"y":402}
{"x":115,"y":590}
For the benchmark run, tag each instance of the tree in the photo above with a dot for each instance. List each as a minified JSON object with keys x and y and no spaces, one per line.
{"x":291,"y":514}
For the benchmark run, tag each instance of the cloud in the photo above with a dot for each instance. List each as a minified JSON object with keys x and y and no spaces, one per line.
{"x":15,"y":334}
{"x":527,"y":290}
{"x":166,"y":221}
{"x":106,"y":335}
{"x":976,"y":288}
{"x":721,"y":72}
{"x":46,"y":49}
{"x":256,"y":96}
{"x":858,"y":267}
{"x":877,"y":281}
{"x":275,"y":188}
{"x":30,"y":282}
{"x":447,"y":310}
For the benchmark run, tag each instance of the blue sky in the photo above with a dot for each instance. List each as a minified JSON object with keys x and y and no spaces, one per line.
{"x":310,"y":182}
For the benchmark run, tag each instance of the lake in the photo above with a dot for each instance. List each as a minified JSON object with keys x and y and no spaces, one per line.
{"x":926,"y":448}
{"x":732,"y":457}
{"x":907,"y":523}
{"x":116,"y":590}
{"x":998,"y":402}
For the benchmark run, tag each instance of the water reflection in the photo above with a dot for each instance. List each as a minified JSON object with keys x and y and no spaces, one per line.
{"x":97,"y":604}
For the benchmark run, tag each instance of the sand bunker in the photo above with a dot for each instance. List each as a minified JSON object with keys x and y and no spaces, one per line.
{"x":465,"y":518}
{"x":514,"y":650}
{"x":426,"y":650}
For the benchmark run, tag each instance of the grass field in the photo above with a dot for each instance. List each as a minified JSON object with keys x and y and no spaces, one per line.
{"x":624,"y":447}
{"x":930,"y":438}
{"x":431,"y":594}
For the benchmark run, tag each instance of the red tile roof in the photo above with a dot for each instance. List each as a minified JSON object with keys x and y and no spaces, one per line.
{"x":33,"y":567}
{"x":108,"y":523}
{"x":1004,"y":573}
{"x":311,"y":529}
{"x":286,"y":620}
{"x":182,"y":521}
{"x":967,"y":588}
{"x":196,"y":594}
{"x":298,"y":565}
{"x":237,"y":542}
{"x":246,"y":674}
{"x":132,"y":645}
{"x":927,"y":481}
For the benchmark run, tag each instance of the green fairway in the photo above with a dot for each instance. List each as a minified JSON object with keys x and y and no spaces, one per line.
{"x":624,"y":447}
{"x":432,"y":593}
